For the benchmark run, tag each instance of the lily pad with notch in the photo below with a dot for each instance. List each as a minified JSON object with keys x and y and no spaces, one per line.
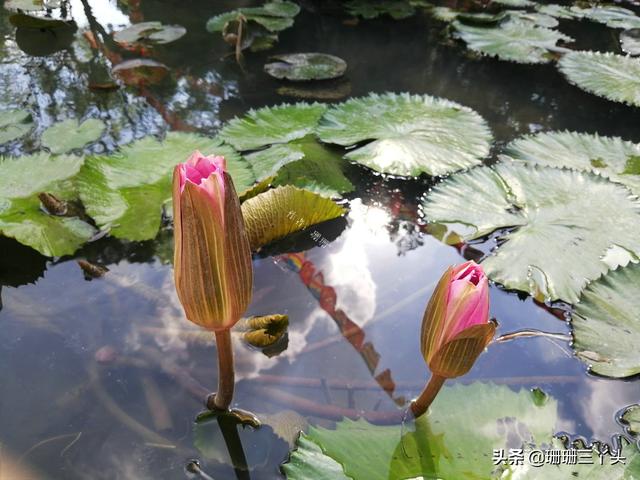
{"x":305,"y":66}
{"x":407,"y":134}
{"x":555,"y":230}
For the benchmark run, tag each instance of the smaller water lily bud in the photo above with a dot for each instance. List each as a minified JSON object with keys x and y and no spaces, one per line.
{"x":456,"y":326}
{"x":212,"y":259}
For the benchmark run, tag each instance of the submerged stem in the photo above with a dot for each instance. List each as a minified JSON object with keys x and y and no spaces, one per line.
{"x":422,"y":403}
{"x":226,"y":374}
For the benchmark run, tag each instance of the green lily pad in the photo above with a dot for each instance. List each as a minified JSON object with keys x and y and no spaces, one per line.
{"x":31,"y":174}
{"x":14,"y":124}
{"x":368,"y":9}
{"x":631,"y":418}
{"x":30,"y":5}
{"x":606,"y":324}
{"x":444,"y":14}
{"x":149,"y":32}
{"x":320,"y":171}
{"x":21,"y":214}
{"x":513,"y":40}
{"x":555,"y":225}
{"x":272,"y":138}
{"x":274,"y":16}
{"x":305,"y":66}
{"x":309,"y":461}
{"x":607,"y":75}
{"x":630,"y":41}
{"x":482,"y":19}
{"x":454,"y":440}
{"x":609,"y":15}
{"x":282,"y":211}
{"x":535,"y":18}
{"x":126,"y":192}
{"x":607,"y":156}
{"x":558,"y":11}
{"x":515,"y":3}
{"x":408,"y":134}
{"x":68,"y":135}
{"x":304,"y":163}
{"x":593,"y":467}
{"x":272,"y":125}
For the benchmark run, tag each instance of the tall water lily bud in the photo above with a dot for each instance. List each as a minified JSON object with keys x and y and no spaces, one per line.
{"x":456,"y":326}
{"x":212,"y":258}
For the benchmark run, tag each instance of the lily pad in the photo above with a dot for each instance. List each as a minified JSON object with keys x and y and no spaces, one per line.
{"x":452,"y":441}
{"x":14,"y":124}
{"x":535,"y":18}
{"x":593,"y":467}
{"x":272,"y":125}
{"x":554,"y":225}
{"x":68,"y":135}
{"x":306,"y":66}
{"x":607,"y":75}
{"x":319,"y":170}
{"x":609,"y":15}
{"x":408,"y":134}
{"x":558,"y":11}
{"x":606,"y":324}
{"x":271,"y":138}
{"x":282,"y":211}
{"x":631,"y":418}
{"x":274,"y":16}
{"x":513,"y":40}
{"x":21,"y":214}
{"x":630,"y":41}
{"x":515,"y":3}
{"x":140,"y":72}
{"x":22,"y":20}
{"x":368,"y":9}
{"x":149,"y":32}
{"x":607,"y":156}
{"x":30,"y":5}
{"x":125,"y":192}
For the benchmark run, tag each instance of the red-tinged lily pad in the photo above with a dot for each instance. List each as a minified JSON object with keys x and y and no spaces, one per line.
{"x":140,"y":71}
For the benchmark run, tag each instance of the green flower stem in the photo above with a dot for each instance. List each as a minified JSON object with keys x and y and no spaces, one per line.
{"x":226,"y":373}
{"x":423,"y":402}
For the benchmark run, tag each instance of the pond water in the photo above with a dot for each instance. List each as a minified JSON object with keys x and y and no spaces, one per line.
{"x":130,"y":416}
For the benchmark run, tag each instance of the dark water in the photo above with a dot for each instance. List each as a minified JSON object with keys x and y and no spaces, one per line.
{"x":68,"y":417}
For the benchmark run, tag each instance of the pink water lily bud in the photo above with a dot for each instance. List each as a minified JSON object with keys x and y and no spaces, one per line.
{"x":212,"y":258}
{"x":456,"y":326}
